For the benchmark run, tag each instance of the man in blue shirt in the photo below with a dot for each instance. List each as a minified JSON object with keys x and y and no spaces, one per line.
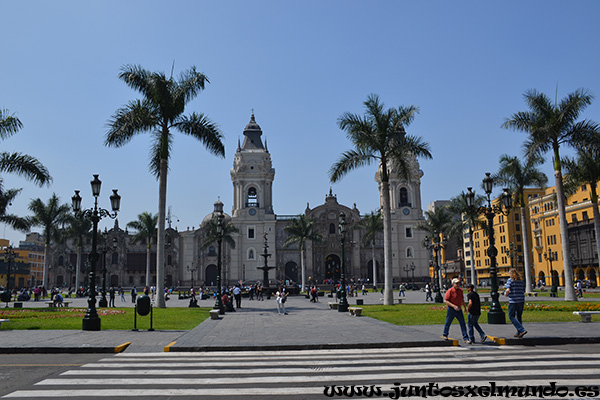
{"x":515,"y":290}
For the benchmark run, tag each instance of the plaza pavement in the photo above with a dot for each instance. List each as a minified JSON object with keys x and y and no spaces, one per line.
{"x":258,"y":326}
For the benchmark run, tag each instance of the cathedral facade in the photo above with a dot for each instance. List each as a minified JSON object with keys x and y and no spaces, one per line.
{"x":260,"y":235}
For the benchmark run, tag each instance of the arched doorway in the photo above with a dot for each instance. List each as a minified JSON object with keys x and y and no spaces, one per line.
{"x":114,"y":280}
{"x":332,"y":267}
{"x":370,"y":271}
{"x":593,"y":278}
{"x":581,"y":275}
{"x":541,"y":278}
{"x":291,"y":271}
{"x":210,"y":275}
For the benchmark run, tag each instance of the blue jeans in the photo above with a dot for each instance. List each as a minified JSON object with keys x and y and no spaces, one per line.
{"x":473,"y":322}
{"x":515,"y":314}
{"x":451,"y":313}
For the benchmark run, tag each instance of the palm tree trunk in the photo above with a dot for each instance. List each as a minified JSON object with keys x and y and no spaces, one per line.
{"x":473,"y":271}
{"x":526,"y":254}
{"x":160,"y":240}
{"x":562,"y":219}
{"x":148,"y":255}
{"x":374,"y":264}
{"x":78,"y":267}
{"x":388,"y":295}
{"x":46,"y":259}
{"x":303,"y":269}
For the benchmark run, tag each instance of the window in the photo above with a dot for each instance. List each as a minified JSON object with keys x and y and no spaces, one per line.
{"x":251,"y":233}
{"x":115,"y":258}
{"x":574,"y":216}
{"x":404,"y":198}
{"x":332,"y":229}
{"x":251,"y":254}
{"x":584,"y":216}
{"x":409,"y":252}
{"x":409,"y":232}
{"x":518,"y":227}
{"x":212,"y":251}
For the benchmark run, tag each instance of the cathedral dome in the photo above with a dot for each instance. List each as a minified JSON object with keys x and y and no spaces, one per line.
{"x":213,"y":215}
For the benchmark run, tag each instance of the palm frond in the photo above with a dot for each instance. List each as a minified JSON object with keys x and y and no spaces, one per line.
{"x":136,"y":117}
{"x":26,"y":166}
{"x":9,"y":124}
{"x":348,"y":161}
{"x":203,"y":129}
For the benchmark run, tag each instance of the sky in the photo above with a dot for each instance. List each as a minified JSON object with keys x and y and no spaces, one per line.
{"x":299,"y":65}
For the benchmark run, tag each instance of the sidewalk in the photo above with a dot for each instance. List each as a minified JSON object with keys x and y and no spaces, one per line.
{"x":257,"y":326}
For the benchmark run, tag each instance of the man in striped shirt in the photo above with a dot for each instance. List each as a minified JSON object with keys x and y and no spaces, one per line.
{"x":515,"y":290}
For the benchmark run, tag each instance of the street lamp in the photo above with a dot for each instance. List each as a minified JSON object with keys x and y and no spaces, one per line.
{"x":495,"y":315}
{"x":91,"y":321}
{"x":9,"y":257}
{"x":343,"y":304}
{"x":549,"y":256}
{"x":220,"y":217}
{"x":192,"y":270}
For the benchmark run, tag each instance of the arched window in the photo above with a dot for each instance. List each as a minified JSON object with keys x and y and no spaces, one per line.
{"x":252,"y":198}
{"x":404,"y":198}
{"x":115,"y":258}
{"x":61,"y":261}
{"x":409,"y":252}
{"x":212,"y":251}
{"x":251,"y":254}
{"x":332,"y":229}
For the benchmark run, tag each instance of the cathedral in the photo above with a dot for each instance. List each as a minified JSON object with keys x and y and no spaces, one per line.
{"x":259,"y":240}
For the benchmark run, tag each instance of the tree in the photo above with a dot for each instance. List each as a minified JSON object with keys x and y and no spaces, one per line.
{"x":380,"y":136}
{"x":159,"y":113}
{"x":79,"y":229}
{"x":20,"y":164}
{"x":146,"y":230}
{"x":470,"y":220}
{"x":549,"y":127}
{"x":50,"y":216}
{"x":585,"y":170}
{"x":300,"y":231}
{"x":372,"y":224}
{"x":438,"y":224}
{"x":517,"y":176}
{"x":211,"y":234}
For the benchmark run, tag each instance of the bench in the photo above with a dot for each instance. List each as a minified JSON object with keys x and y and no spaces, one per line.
{"x":534,"y":294}
{"x":64,"y":304}
{"x":4,"y":320}
{"x":394,"y":301}
{"x":586,"y":316}
{"x":333,"y":306}
{"x":214,"y":314}
{"x":355,"y":311}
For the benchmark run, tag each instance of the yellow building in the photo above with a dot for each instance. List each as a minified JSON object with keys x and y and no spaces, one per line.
{"x":19,"y":267}
{"x":32,"y":249}
{"x":547,"y":245}
{"x":508,"y":235}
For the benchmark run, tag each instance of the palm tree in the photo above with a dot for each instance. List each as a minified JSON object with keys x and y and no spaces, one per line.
{"x":49,"y":216}
{"x":517,"y":176}
{"x":585,"y":170}
{"x":211,"y":235}
{"x":438,"y":224}
{"x":549,"y":126}
{"x":159,"y":113}
{"x":380,"y":136}
{"x":20,"y":164}
{"x":146,"y":230}
{"x":300,"y":231}
{"x":79,"y":229}
{"x":372,"y":224}
{"x":470,"y":220}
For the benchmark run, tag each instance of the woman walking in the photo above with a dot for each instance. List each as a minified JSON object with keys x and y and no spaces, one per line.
{"x":515,"y":290}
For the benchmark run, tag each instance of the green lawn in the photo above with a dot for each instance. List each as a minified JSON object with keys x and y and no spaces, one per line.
{"x":432,"y":314}
{"x":113,"y":318}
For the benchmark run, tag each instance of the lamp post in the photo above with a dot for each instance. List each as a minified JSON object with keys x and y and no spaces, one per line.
{"x":495,"y":315}
{"x":9,"y":257}
{"x":220,"y":217}
{"x":549,"y":256}
{"x":343,"y":304}
{"x":434,"y":245}
{"x":91,"y":320}
{"x":192,"y":270}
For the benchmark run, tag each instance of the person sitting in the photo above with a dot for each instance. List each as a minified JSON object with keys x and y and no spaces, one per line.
{"x":58,"y":300}
{"x":226,"y":303}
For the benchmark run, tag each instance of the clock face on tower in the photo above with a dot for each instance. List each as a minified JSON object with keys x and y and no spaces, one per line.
{"x":406,"y":211}
{"x":252,"y":211}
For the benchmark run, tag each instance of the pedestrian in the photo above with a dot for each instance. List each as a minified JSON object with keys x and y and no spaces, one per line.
{"x":474,"y":309}
{"x":280,"y":298}
{"x":515,"y":290}
{"x":111,"y":297}
{"x":402,"y":289}
{"x":428,"y":295}
{"x":133,"y":294}
{"x":237,"y":295}
{"x":454,"y":299}
{"x":122,"y":293}
{"x":579,"y":289}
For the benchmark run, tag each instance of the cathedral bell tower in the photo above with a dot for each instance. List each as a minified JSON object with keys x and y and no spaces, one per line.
{"x":252,"y":176}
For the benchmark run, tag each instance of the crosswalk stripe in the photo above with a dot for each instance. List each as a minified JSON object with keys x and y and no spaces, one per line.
{"x":237,"y":370}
